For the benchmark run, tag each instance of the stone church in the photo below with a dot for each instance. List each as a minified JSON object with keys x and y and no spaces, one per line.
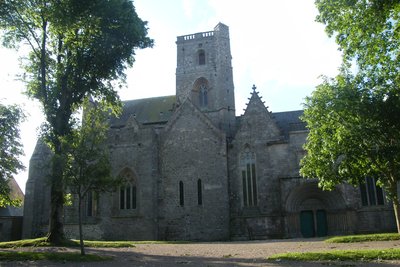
{"x":196,"y":171}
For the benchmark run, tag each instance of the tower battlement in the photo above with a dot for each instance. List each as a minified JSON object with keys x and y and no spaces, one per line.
{"x":196,"y":36}
{"x":220,"y":28}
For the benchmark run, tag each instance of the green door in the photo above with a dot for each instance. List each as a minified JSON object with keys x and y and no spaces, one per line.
{"x":307,"y":223}
{"x":322,"y":225}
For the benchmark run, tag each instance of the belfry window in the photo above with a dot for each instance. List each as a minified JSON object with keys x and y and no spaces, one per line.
{"x":249,"y":178}
{"x":203,"y":96}
{"x":202,"y":57}
{"x":371,"y":193}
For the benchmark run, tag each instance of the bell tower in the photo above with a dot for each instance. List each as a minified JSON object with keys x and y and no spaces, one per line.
{"x":204,"y":75}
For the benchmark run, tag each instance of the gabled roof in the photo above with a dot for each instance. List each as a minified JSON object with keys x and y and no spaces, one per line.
{"x":146,"y":111}
{"x":287,"y":121}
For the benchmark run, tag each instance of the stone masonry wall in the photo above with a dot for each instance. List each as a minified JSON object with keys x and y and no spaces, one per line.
{"x":192,"y":149}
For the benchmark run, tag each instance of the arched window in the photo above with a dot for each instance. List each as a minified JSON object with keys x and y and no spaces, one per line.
{"x":200,"y":92}
{"x":181,"y":194}
{"x":249,"y":178}
{"x":127,"y":191}
{"x":199,"y":193}
{"x":371,"y":193}
{"x":203,"y":96}
{"x":202,"y":57}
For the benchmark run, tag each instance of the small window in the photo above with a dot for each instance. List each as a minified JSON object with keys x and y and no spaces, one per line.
{"x":202,"y":57}
{"x":181,"y":194}
{"x":199,"y":193}
{"x":91,"y":204}
{"x":371,"y":194}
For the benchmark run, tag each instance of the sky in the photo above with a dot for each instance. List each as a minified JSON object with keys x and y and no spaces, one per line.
{"x":276,"y":45}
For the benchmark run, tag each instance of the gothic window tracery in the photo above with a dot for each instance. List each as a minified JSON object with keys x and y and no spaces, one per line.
{"x":249,"y":178}
{"x":371,"y":193}
{"x":127,"y":191}
{"x":203,"y":96}
{"x":200,"y":93}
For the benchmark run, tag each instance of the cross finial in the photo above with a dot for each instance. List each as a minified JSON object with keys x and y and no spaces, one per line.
{"x":254,"y":87}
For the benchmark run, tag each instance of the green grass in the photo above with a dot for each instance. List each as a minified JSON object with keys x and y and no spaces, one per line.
{"x":51,"y":256}
{"x":37,"y":242}
{"x":41,"y":242}
{"x":364,"y":238}
{"x":341,"y":255}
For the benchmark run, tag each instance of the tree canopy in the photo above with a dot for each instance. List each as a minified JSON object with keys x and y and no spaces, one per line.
{"x":10,"y":150}
{"x":76,"y":49}
{"x":354,"y":118}
{"x":88,"y":168}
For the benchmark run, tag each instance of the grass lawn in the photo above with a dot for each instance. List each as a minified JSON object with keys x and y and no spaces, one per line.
{"x":51,"y":256}
{"x":364,"y":238}
{"x":41,"y":242}
{"x":341,"y":255}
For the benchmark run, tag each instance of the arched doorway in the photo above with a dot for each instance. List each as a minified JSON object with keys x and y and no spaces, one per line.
{"x":311,"y":212}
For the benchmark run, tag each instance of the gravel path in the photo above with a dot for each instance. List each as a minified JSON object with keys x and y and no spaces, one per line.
{"x":216,"y":254}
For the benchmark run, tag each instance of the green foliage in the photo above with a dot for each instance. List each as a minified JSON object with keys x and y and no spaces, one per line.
{"x":346,"y":141}
{"x":43,"y":242}
{"x":367,"y":32}
{"x":10,"y":150}
{"x":68,"y":199}
{"x":37,"y":242}
{"x":364,"y":238}
{"x":353,"y":119}
{"x":88,"y":167}
{"x":64,"y":257}
{"x":77,"y":49}
{"x":341,"y":255}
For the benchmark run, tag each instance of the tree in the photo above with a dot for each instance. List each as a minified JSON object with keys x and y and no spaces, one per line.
{"x":10,"y":149}
{"x":353,"y":118}
{"x":88,"y":168}
{"x":76,"y":49}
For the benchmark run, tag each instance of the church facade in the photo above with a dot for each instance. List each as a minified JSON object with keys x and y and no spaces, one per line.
{"x":196,"y":171}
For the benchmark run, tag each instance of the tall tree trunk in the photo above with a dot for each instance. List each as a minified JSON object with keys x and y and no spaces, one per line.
{"x":56,"y":227}
{"x":396,"y":208}
{"x":395,"y":199}
{"x":80,"y":225}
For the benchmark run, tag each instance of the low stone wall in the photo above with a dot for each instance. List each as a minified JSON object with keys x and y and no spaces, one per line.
{"x":10,"y":228}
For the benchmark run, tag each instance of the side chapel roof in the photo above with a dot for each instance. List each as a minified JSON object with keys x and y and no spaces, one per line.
{"x":146,"y":111}
{"x":289,"y":121}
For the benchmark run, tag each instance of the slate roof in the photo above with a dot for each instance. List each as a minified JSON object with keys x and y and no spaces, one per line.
{"x":146,"y":111}
{"x":289,"y":121}
{"x":158,"y":110}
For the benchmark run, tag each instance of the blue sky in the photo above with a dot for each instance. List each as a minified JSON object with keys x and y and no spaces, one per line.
{"x":276,"y":45}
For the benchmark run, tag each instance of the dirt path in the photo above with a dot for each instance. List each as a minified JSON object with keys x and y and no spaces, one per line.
{"x":216,"y":254}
